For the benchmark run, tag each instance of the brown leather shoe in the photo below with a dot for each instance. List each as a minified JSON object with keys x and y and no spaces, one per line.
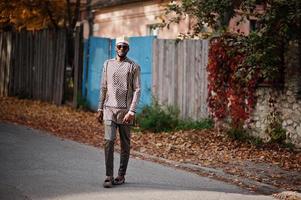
{"x":108,"y":183}
{"x":119,"y":180}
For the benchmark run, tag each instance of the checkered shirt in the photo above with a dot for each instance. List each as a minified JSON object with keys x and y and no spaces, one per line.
{"x":120,"y":89}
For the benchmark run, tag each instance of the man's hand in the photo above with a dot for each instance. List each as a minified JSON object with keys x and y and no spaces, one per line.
{"x":99,"y":116}
{"x":128,"y":118}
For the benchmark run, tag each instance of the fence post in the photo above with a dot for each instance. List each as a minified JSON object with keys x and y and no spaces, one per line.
{"x":78,"y":64}
{"x":5,"y":62}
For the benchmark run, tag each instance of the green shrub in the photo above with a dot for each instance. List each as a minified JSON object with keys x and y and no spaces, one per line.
{"x":158,"y":118}
{"x":255,"y":141}
{"x":277,"y":134}
{"x":239,"y":133}
{"x":274,"y":129}
{"x":289,"y":145}
{"x":82,"y":103}
{"x":190,"y":124}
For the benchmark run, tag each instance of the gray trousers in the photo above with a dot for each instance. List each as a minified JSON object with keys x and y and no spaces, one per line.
{"x":125,"y":141}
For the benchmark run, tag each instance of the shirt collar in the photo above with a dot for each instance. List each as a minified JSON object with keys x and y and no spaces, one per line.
{"x":126,"y":59}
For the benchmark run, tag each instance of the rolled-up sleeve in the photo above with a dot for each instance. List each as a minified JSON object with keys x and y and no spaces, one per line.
{"x":136,"y":83}
{"x":103,"y":87}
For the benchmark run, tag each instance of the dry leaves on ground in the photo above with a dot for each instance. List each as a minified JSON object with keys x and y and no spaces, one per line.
{"x":270,"y":164}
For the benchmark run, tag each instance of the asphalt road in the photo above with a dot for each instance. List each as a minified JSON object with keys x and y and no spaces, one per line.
{"x":36,"y":165}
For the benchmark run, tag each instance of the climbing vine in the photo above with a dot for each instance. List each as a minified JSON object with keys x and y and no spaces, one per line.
{"x":238,"y":62}
{"x":232,"y":83}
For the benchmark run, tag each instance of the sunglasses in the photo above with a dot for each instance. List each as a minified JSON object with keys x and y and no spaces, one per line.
{"x":125,"y":47}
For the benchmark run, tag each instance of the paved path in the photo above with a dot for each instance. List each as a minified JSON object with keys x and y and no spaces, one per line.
{"x":36,"y":165}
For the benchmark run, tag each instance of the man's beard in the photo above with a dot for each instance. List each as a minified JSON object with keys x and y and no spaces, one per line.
{"x":122,"y":55}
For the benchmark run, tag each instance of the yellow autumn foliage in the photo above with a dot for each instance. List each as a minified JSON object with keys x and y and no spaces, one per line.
{"x":33,"y":14}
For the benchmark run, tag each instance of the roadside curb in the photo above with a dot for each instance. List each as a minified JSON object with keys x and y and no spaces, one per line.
{"x":218,"y":174}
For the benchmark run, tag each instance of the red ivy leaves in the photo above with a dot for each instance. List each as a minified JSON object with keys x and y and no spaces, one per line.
{"x":231,"y":90}
{"x":216,"y":75}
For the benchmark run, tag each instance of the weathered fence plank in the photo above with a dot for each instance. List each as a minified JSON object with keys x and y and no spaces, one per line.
{"x":180,"y":76}
{"x":78,"y":64}
{"x":5,"y":61}
{"x":32,"y":64}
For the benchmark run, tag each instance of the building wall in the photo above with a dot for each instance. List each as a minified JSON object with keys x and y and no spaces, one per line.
{"x":245,"y":25}
{"x":286,"y":102}
{"x":134,"y":19}
{"x":243,"y":28}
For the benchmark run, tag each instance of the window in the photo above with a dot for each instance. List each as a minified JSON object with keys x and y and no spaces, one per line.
{"x":253,"y":25}
{"x":153,"y":29}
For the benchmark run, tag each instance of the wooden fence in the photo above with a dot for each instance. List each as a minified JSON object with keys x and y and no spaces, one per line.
{"x":5,"y":61}
{"x":180,"y":76}
{"x":33,"y":64}
{"x":78,"y":64}
{"x":38,"y":65}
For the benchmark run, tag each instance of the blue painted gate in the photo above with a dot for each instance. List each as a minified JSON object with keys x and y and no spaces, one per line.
{"x":101,"y":49}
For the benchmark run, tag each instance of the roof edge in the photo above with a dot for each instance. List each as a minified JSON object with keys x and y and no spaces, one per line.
{"x":111,"y":3}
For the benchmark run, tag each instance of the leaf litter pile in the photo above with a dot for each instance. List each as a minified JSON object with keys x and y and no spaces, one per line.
{"x":268,"y":163}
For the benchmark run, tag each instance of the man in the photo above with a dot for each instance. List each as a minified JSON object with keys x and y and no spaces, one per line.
{"x":119,"y":96}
